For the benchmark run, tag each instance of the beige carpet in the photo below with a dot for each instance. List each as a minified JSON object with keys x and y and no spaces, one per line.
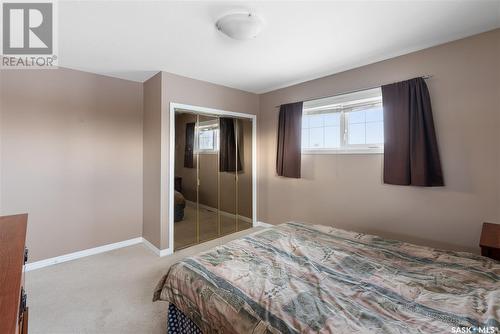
{"x":104,"y":293}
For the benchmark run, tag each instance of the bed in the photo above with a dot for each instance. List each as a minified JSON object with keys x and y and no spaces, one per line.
{"x":296,"y":278}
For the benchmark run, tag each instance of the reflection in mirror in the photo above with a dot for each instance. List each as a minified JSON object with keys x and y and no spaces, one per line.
{"x":244,"y":192}
{"x":208,"y":154}
{"x":185,"y":170}
{"x":228,"y":163}
{"x":213,"y":177}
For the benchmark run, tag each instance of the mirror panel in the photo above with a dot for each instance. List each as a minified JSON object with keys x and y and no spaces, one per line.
{"x":213,"y":177}
{"x":185,"y":171}
{"x":208,"y":193}
{"x":244,"y":191}
{"x":227,"y":177}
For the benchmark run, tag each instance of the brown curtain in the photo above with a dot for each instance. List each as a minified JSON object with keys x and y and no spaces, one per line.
{"x":411,"y":155}
{"x":289,"y":140}
{"x":189,"y":146}
{"x":228,"y":159}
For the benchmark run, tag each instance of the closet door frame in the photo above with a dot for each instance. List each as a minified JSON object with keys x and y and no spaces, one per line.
{"x":168,"y":164}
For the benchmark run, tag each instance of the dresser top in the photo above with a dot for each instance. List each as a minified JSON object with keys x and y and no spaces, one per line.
{"x":12,"y":239}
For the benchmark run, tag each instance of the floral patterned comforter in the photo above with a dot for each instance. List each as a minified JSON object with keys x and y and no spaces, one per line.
{"x":296,"y":278}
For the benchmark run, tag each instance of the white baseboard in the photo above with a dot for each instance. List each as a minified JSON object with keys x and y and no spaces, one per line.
{"x":151,"y":247}
{"x":262,"y":224}
{"x":166,"y":252}
{"x":106,"y":248}
{"x":154,"y":249}
{"x":96,"y":250}
{"x":80,"y":254}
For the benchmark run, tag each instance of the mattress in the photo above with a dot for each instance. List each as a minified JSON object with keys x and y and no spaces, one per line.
{"x":296,"y":278}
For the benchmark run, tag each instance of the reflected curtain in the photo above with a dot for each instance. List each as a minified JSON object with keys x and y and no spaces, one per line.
{"x":411,"y":155}
{"x":289,"y":153}
{"x":229,"y":159}
{"x":189,"y":146}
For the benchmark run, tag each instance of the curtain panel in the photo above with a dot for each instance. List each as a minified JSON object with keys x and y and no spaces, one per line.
{"x":289,"y":153}
{"x":411,"y":155}
{"x":229,"y":160}
{"x":189,"y":146}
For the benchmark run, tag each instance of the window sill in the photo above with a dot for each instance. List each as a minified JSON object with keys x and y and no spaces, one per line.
{"x":206,"y":152}
{"x":345,"y":151}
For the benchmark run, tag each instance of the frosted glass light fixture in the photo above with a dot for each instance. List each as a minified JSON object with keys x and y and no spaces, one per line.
{"x":240,"y":26}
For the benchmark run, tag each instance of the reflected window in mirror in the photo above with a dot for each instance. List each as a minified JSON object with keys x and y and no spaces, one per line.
{"x":208,"y":136}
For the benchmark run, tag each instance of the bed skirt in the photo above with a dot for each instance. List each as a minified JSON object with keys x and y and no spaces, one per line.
{"x":179,"y":323}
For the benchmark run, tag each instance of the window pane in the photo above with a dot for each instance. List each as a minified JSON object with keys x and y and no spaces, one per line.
{"x":374,"y":114}
{"x":206,"y":140}
{"x":332,"y":119}
{"x":332,"y":136}
{"x":315,"y":121}
{"x":216,"y":139}
{"x":305,"y":121}
{"x":357,"y":116}
{"x":375,"y":133}
{"x":316,"y":138}
{"x":305,"y":138}
{"x":356,"y":133}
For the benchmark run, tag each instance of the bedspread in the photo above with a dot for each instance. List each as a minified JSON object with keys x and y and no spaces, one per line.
{"x":296,"y":278}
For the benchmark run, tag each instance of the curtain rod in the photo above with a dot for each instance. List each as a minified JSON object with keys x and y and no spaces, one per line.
{"x":425,"y":77}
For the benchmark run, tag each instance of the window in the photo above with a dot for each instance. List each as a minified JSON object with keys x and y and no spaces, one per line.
{"x":208,"y":137}
{"x":348,"y":123}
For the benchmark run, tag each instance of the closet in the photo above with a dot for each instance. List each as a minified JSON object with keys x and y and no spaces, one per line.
{"x":213,"y":176}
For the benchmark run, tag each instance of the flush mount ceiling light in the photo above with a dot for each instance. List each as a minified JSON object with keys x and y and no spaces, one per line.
{"x":240,"y":26}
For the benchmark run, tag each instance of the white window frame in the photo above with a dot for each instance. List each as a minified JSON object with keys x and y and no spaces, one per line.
{"x":344,"y":148}
{"x":210,"y":125}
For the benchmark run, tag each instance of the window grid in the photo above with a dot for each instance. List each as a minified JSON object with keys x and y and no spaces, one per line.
{"x":344,"y":123}
{"x":205,"y":144}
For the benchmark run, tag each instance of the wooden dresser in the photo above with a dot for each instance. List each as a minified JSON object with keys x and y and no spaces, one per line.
{"x":490,"y":241}
{"x":13,"y":256}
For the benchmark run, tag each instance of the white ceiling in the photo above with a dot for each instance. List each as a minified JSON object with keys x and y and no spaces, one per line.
{"x":300,"y":40}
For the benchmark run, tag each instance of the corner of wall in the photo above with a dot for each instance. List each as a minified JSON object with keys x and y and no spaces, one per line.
{"x":165,"y":246}
{"x":152,"y":106}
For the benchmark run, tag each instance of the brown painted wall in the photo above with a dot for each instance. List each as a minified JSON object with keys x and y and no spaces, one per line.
{"x":152,"y":106}
{"x":347,"y":190}
{"x":71,"y":156}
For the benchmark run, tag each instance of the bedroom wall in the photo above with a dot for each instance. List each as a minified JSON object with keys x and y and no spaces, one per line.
{"x":175,"y":88}
{"x":152,"y":106}
{"x":71,"y":156}
{"x":347,"y":190}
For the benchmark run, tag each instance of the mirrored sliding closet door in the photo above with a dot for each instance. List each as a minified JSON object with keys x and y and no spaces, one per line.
{"x":208,"y":192}
{"x":244,"y":192}
{"x":213,"y":176}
